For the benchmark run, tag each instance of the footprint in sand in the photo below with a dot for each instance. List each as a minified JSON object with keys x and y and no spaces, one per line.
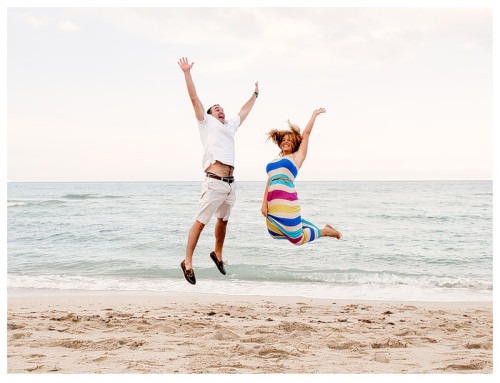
{"x":345,"y":345}
{"x":225,"y":335}
{"x":473,"y":365}
{"x":381,"y":358}
{"x":390,"y":343}
{"x":34,"y":368}
{"x":37,"y":356}
{"x":100,"y":359}
{"x":240,"y":350}
{"x":165,"y":329}
{"x":274,"y":353}
{"x":407,"y":332}
{"x":475,"y":346}
{"x":15,"y":326}
{"x":295,"y":326}
{"x":255,"y":340}
{"x":21,"y":335}
{"x":72,"y":317}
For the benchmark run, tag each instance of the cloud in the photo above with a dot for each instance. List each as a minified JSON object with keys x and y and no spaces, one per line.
{"x":36,"y":22}
{"x":310,"y":38}
{"x":467,"y":46}
{"x":67,"y":26}
{"x":41,"y":21}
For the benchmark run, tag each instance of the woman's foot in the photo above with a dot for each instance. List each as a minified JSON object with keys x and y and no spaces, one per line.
{"x":331,"y":232}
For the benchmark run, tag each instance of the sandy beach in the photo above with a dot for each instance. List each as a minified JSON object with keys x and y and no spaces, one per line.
{"x":243,"y":334}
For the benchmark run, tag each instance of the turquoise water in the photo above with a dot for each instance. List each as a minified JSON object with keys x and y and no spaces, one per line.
{"x":405,"y":240}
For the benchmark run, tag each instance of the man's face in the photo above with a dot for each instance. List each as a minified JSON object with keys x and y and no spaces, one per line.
{"x":218,"y":113}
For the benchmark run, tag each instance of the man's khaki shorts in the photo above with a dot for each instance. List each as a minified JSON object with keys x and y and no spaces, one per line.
{"x":216,"y":197}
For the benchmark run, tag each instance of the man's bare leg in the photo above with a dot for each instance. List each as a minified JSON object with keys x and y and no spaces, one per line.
{"x":194,"y":235}
{"x":220,"y":235}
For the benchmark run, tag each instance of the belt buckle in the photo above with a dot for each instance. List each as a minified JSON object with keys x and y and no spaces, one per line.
{"x":212,"y":175}
{"x":224,"y":179}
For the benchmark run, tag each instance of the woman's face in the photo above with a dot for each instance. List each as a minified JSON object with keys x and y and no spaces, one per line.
{"x":286,"y":144}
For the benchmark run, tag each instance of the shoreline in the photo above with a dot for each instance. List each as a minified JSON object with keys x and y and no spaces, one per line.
{"x":210,"y":333}
{"x":165,"y":295}
{"x":189,"y":291}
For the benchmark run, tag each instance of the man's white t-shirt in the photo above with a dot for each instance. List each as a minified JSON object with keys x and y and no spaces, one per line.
{"x":218,"y":140}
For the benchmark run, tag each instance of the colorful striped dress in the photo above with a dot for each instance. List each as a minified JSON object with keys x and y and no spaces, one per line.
{"x":283,"y":213}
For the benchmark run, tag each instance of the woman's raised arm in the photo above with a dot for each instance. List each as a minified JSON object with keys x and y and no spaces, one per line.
{"x":300,"y":155}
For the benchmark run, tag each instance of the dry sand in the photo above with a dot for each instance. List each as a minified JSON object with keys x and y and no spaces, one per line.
{"x":231,"y":334}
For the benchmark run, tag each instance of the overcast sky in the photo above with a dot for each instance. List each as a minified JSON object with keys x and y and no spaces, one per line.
{"x":95,"y":94}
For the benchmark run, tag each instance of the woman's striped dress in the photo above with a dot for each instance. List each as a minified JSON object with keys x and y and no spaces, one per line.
{"x":283,"y":214}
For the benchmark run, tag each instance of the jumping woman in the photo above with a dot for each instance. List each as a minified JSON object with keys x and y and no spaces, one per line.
{"x":281,"y":206}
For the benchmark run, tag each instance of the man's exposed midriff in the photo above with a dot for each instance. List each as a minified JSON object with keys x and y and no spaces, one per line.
{"x":220,"y":169}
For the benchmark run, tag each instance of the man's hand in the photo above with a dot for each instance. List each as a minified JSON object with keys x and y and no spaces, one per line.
{"x":184,"y":64}
{"x":197,"y":105}
{"x":248,"y":105}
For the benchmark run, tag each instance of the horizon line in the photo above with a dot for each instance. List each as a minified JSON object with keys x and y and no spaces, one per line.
{"x":338,"y":180}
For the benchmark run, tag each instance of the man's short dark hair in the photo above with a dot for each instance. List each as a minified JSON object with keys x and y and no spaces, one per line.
{"x":209,"y":111}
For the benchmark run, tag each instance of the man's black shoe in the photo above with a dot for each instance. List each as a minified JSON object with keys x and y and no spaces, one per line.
{"x":219,"y":264}
{"x":188,"y":274}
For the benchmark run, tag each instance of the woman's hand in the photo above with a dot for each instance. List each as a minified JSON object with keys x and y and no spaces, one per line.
{"x":264,"y":209}
{"x":318,"y":111}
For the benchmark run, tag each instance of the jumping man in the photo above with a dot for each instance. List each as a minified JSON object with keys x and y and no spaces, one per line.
{"x":218,"y":190}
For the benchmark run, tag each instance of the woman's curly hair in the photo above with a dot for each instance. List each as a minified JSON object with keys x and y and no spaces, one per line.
{"x":295,"y":137}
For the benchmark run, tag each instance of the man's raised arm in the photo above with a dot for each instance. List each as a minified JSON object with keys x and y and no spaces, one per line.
{"x":245,"y":109}
{"x":197,"y":105}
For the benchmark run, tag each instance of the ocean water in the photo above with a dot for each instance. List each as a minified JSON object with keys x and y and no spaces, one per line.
{"x":404,"y":240}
